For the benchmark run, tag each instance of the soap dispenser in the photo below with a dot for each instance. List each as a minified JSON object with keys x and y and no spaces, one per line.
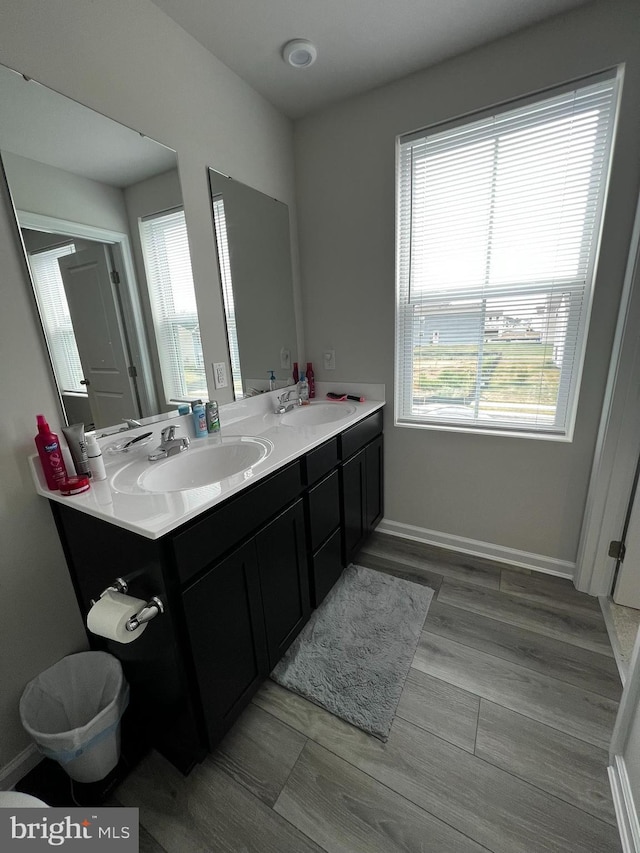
{"x":272,"y":381}
{"x":304,"y":390}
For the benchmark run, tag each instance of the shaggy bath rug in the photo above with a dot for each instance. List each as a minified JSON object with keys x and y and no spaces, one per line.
{"x":354,"y":654}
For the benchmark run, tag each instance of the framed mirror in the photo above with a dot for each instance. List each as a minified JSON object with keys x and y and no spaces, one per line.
{"x":253,"y":245}
{"x":99,"y":209}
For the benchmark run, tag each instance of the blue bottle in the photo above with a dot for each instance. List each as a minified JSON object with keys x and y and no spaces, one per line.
{"x":199,"y":419}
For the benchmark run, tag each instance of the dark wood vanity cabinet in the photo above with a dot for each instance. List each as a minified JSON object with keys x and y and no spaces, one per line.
{"x":243,"y":614}
{"x":362,"y":484}
{"x":322,"y":505}
{"x":226,"y":632}
{"x":238,"y":583}
{"x":284,"y":580}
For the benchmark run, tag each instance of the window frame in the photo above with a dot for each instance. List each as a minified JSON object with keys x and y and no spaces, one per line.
{"x":570,"y":380}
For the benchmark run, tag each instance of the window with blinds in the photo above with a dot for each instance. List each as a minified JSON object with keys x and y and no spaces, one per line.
{"x":167,"y":263}
{"x":498,"y":224}
{"x":224,"y":264}
{"x":55,"y":317}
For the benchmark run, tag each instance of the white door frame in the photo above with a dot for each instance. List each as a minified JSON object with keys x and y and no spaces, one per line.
{"x":618,"y":444}
{"x":131,"y":307}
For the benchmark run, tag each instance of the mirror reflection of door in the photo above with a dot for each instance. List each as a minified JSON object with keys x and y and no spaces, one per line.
{"x":77,"y":295}
{"x":90,"y":282}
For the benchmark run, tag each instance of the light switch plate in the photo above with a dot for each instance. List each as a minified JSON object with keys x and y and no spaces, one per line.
{"x":329,"y":359}
{"x":220,"y":374}
{"x":285,"y":358}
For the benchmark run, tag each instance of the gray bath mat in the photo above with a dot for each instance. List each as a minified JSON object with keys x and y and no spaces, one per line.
{"x":354,"y":654}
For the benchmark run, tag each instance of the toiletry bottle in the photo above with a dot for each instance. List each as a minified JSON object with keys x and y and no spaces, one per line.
{"x":296,"y":373}
{"x":94,"y":454}
{"x":50,"y":454}
{"x":272,"y":381}
{"x":311,"y":380}
{"x":74,"y":433}
{"x":199,"y":419}
{"x":213,"y":416}
{"x":304,"y":390}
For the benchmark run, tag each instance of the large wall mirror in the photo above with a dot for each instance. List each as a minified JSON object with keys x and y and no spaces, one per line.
{"x":253,"y":244}
{"x":99,"y":208}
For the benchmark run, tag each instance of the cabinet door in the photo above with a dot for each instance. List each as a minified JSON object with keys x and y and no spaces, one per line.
{"x":374,"y":484}
{"x":284,"y":579}
{"x":224,"y":619}
{"x":353,"y":504}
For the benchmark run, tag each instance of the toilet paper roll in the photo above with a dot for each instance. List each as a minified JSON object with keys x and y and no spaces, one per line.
{"x":109,"y":615}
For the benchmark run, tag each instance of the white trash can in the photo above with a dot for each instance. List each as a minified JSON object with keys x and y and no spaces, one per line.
{"x":73,"y":710}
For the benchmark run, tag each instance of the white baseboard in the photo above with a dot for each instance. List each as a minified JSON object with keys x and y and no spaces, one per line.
{"x":626,"y":813}
{"x":497,"y":553}
{"x":18,"y":767}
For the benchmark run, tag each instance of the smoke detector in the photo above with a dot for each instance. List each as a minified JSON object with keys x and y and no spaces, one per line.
{"x":300,"y":53}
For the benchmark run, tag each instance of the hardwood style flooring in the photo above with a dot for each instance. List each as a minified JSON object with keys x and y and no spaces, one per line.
{"x":499,"y":742}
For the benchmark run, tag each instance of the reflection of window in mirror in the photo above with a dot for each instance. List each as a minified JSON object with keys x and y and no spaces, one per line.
{"x":55,"y":316}
{"x":227,"y":292}
{"x":173,"y":303}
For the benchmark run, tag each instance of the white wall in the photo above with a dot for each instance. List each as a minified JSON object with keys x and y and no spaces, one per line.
{"x":129,"y":61}
{"x":40,"y":188}
{"x":521,"y":494}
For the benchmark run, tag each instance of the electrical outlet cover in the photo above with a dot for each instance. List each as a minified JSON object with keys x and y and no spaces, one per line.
{"x":220,"y":374}
{"x":329,"y":359}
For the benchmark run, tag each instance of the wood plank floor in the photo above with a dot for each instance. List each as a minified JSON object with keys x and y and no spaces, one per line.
{"x":499,"y":741}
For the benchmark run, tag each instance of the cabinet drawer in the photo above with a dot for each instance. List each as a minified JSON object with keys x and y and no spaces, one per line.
{"x":226,"y":527}
{"x":324,"y":509}
{"x":320,"y":461}
{"x":326,"y":567}
{"x":360,"y":434}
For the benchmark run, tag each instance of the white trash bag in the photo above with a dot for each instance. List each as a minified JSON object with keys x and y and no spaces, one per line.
{"x":73,"y":710}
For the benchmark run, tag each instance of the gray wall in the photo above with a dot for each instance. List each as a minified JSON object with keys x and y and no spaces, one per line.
{"x":132,"y":63}
{"x":517,"y":493}
{"x":40,"y":188}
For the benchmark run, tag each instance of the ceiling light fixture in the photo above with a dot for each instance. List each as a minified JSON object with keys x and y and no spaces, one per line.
{"x":300,"y":53}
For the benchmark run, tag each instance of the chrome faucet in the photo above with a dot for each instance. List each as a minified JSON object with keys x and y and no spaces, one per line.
{"x":131,"y":423}
{"x":285,"y":402}
{"x":169,"y":444}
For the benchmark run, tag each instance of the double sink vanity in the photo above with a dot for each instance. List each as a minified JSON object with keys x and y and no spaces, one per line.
{"x":240,"y":536}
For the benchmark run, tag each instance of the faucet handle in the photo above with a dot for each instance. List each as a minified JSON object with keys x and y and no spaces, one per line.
{"x":168,"y":433}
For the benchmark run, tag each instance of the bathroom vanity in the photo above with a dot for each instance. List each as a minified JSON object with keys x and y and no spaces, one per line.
{"x":238,"y":565}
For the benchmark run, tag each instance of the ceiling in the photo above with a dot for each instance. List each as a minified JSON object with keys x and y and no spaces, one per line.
{"x":361,"y":43}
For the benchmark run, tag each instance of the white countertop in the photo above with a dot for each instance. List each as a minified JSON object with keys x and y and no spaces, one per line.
{"x":153,"y":514}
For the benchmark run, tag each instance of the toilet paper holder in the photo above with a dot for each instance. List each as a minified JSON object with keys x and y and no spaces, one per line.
{"x":151,"y":609}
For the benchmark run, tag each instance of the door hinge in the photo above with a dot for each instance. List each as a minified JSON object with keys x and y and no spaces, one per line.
{"x":617,"y":550}
{"x":115,"y":277}
{"x":132,"y":371}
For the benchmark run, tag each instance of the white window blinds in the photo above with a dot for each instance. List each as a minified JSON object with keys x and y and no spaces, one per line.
{"x":56,"y":320}
{"x":167,"y":262}
{"x":498,"y":227}
{"x":224,"y":264}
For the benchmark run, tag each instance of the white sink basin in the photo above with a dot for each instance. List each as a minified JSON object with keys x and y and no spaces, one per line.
{"x":316,"y":414}
{"x":205,"y":464}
